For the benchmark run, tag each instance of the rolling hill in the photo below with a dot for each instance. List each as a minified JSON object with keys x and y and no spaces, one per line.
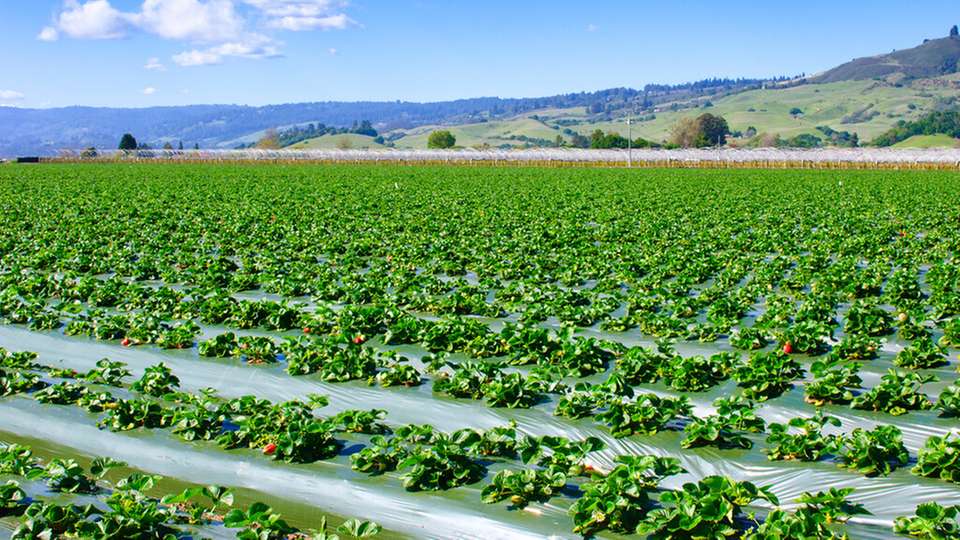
{"x":865,"y":96}
{"x":933,"y":58}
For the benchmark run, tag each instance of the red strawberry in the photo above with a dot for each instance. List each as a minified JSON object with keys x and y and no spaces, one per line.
{"x":269,"y":449}
{"x":359,"y":339}
{"x":125,"y":342}
{"x":306,"y":330}
{"x":788,"y":348}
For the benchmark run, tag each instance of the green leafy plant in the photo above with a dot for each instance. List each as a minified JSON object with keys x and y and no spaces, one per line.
{"x":708,"y":509}
{"x":939,"y":458}
{"x":647,"y":415}
{"x":817,"y":517}
{"x":524,"y":486}
{"x":931,"y":522}
{"x":808,"y":443}
{"x":619,"y":500}
{"x":897,"y":394}
{"x":874,"y":453}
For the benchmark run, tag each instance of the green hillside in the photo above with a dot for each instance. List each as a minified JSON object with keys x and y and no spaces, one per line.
{"x":494,"y":133}
{"x":345,"y":141}
{"x":929,"y":141}
{"x":933,"y":58}
{"x":867,"y":108}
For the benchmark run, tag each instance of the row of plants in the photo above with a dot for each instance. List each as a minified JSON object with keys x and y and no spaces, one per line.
{"x":134,"y":506}
{"x":427,"y":459}
{"x":779,"y":265}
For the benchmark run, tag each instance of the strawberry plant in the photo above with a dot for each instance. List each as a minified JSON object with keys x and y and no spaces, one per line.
{"x":817,"y":517}
{"x":156,"y":381}
{"x":524,"y":486}
{"x":767,"y":375}
{"x":931,"y":522}
{"x":619,"y":500}
{"x":382,"y":455}
{"x":940,"y":458}
{"x":948,"y":403}
{"x":645,"y":416}
{"x":558,"y":453}
{"x":740,"y":413}
{"x":640,"y":365}
{"x":873,"y":453}
{"x":713,"y":431}
{"x":867,"y":319}
{"x":897,"y":394}
{"x":108,"y":373}
{"x":499,"y":441}
{"x":64,"y":393}
{"x":220,"y":346}
{"x":921,"y":354}
{"x":833,"y":383}
{"x":856,"y":347}
{"x":807,"y":443}
{"x":696,"y":373}
{"x":354,"y":421}
{"x":442,"y":466}
{"x":708,"y":509}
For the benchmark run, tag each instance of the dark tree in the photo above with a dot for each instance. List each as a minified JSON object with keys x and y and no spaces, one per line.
{"x":441,"y":139}
{"x":713,"y":130}
{"x":365,"y":128}
{"x":579,"y":141}
{"x":128,"y":142}
{"x":954,"y":32}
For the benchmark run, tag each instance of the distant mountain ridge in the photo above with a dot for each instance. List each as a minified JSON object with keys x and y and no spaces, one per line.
{"x":934,"y":58}
{"x":47,"y":131}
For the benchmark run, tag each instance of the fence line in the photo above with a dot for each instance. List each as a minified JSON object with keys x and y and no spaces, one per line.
{"x":860,"y":158}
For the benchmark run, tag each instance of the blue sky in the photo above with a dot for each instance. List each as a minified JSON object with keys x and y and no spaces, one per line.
{"x":138,"y":53}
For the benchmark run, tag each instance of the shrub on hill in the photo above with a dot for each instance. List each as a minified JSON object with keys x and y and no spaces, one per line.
{"x":935,"y":123}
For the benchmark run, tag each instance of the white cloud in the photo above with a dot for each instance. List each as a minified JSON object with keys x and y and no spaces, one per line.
{"x":333,"y":51}
{"x":94,"y":19}
{"x":153,"y":64}
{"x":217,"y":29}
{"x":254,"y":46}
{"x":303,"y":15}
{"x":300,"y":24}
{"x":592,"y":28}
{"x":302,"y":8}
{"x":10,"y":96}
{"x":48,"y":33}
{"x":149,"y":91}
{"x":190,"y":20}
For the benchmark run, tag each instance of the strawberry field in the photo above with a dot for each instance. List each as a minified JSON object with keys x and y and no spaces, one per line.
{"x":234,"y":350}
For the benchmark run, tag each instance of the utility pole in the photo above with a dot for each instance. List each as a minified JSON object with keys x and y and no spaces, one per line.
{"x":629,"y":144}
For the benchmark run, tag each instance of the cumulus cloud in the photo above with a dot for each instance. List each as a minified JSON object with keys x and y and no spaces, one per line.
{"x":149,"y":91}
{"x":300,"y":24}
{"x":190,"y":20}
{"x":255,"y":46}
{"x":10,"y":96}
{"x":217,"y":29}
{"x":94,"y":19}
{"x":154,"y":64}
{"x":48,"y":33}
